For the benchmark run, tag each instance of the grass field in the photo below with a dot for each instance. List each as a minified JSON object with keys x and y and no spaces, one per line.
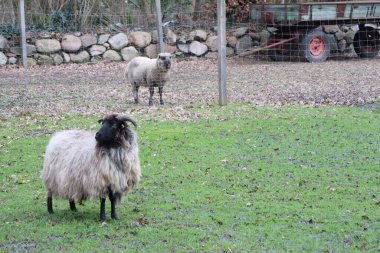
{"x":242,"y":179}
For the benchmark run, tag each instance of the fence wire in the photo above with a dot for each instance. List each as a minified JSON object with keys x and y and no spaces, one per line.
{"x":269,"y":63}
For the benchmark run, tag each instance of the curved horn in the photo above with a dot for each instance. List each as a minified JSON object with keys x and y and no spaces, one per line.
{"x":127,"y":118}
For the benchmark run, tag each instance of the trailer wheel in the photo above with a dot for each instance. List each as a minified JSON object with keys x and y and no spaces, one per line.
{"x":315,"y":46}
{"x":281,"y":52}
{"x":365,"y":42}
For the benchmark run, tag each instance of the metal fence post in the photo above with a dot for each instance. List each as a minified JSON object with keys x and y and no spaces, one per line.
{"x":23,"y":34}
{"x":222,"y":74}
{"x":159,"y":26}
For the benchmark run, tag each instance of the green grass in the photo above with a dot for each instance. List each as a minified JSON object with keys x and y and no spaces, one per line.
{"x":291,"y":179}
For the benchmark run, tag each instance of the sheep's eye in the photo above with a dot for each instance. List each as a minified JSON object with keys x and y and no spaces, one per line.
{"x":100,"y":121}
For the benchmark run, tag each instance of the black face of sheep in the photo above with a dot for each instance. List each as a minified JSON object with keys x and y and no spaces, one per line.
{"x":113,"y":127}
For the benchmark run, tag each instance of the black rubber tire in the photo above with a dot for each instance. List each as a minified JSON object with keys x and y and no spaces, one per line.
{"x":318,"y":55}
{"x":365,"y":42}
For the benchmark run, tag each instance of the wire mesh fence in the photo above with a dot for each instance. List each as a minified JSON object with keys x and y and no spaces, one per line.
{"x":268,"y":64}
{"x":268,"y":59}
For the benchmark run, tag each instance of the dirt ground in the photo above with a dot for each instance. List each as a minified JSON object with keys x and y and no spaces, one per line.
{"x":100,"y":88}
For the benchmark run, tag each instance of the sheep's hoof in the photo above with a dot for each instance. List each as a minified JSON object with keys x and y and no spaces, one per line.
{"x":136,"y":102}
{"x":114,"y":217}
{"x":162,"y":102}
{"x":150,"y":103}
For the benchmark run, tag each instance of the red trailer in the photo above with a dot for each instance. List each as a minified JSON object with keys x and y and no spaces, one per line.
{"x":298,"y":28}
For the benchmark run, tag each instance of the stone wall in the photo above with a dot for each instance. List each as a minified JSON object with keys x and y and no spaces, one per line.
{"x":56,"y":49}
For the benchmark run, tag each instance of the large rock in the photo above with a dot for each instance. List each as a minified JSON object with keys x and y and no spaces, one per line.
{"x":231,"y":41}
{"x":88,"y":40}
{"x":45,"y":35}
{"x":48,"y":46}
{"x":151,"y":51}
{"x":331,"y":29}
{"x":103,"y":38}
{"x":3,"y":59}
{"x":31,"y":62}
{"x":350,"y":35}
{"x":230,"y":51}
{"x":333,"y":43}
{"x":128,"y":53}
{"x":118,"y":41}
{"x":170,"y":49}
{"x":170,"y":37}
{"x":182,"y":40}
{"x":66,"y":57}
{"x":212,"y":43}
{"x":264,"y":37}
{"x":140,"y":39}
{"x":197,"y":48}
{"x":97,"y":50}
{"x":255,"y":36}
{"x":30,"y":50}
{"x":240,"y":32}
{"x":184,"y":48}
{"x":70,"y":43}
{"x":111,"y":55}
{"x":243,"y":44}
{"x":198,"y":35}
{"x":3,"y":42}
{"x":12,"y":60}
{"x":44,"y":60}
{"x":154,"y":35}
{"x":81,"y":57}
{"x":339,"y":35}
{"x":57,"y":59}
{"x":342,"y":45}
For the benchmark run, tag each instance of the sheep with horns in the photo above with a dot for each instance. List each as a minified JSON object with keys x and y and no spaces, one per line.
{"x":81,"y":165}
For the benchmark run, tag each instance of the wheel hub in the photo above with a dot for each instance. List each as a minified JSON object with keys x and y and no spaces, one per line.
{"x":317,"y":46}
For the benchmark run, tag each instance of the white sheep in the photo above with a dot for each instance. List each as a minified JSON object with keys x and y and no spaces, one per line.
{"x":143,"y":71}
{"x":81,"y":165}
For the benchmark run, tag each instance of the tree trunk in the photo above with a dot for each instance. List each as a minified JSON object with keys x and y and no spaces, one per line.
{"x":147,"y":9}
{"x":197,"y":9}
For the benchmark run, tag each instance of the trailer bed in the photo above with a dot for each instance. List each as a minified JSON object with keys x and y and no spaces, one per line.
{"x":317,"y":13}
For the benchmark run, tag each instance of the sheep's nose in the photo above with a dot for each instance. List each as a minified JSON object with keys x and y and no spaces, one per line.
{"x":97,"y":136}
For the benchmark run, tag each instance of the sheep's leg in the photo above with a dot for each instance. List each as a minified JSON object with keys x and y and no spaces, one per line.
{"x":50,"y":204}
{"x":135,"y":91}
{"x":160,"y":90}
{"x":102,"y":209}
{"x":113,"y":209}
{"x":72,"y":205}
{"x":151,"y":91}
